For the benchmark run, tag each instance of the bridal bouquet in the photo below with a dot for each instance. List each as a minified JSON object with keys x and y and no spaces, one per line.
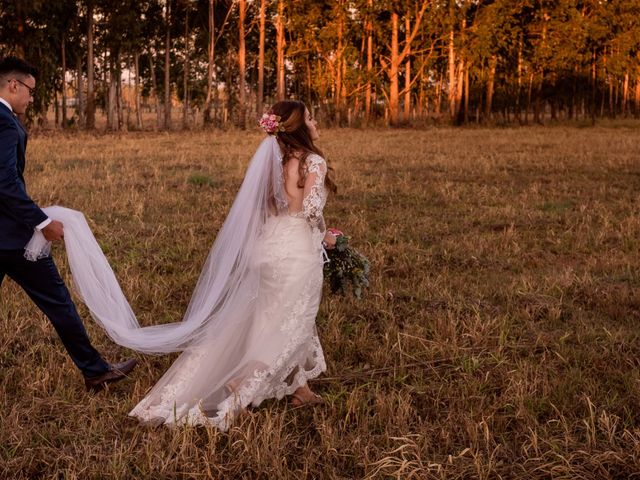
{"x":347,"y":269}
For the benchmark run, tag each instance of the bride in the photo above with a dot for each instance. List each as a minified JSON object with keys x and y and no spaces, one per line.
{"x":256,"y":301}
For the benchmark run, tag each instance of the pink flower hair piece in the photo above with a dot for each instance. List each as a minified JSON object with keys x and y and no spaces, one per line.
{"x":270,"y":123}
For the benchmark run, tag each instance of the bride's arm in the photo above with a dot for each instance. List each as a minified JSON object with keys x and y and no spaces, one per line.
{"x":313,"y":199}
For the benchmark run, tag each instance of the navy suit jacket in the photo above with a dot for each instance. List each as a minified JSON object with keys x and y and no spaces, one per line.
{"x":19,"y":215}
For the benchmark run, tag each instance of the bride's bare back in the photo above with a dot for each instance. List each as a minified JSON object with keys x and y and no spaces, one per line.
{"x":295,"y":194}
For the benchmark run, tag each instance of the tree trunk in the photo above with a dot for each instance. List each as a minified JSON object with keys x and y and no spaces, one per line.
{"x":519,"y":91}
{"x":156,"y":93}
{"x":361,"y":57}
{"x":79,"y":92}
{"x":64,"y":83}
{"x":242,"y":6}
{"x":112,"y":120}
{"x":636,"y":103}
{"x":636,"y":100}
{"x":343,"y":89}
{"x":185,"y":76}
{"x":393,"y":67}
{"x":369,"y":63}
{"x":602,"y":100}
{"x":338,"y":73}
{"x":91,"y":106}
{"x":529,"y":95}
{"x":538,"y":114}
{"x":20,"y":20}
{"x":280,"y":44}
{"x":459,"y":92}
{"x":263,"y":24}
{"x":55,"y":109}
{"x":119,"y":110}
{"x":616,"y":96}
{"x":466,"y":93}
{"x":537,"y":107}
{"x":625,"y":94}
{"x":611,"y":106}
{"x":167,"y":69}
{"x":229,"y":105}
{"x":438,"y":102}
{"x":490,"y":87}
{"x":393,"y":73}
{"x":594,"y":86}
{"x":136,"y":59}
{"x":210,"y":58}
{"x":309,"y":85}
{"x":452,"y":75}
{"x":537,"y":117}
{"x":421,"y":95}
{"x":126,"y":102}
{"x":407,"y":76}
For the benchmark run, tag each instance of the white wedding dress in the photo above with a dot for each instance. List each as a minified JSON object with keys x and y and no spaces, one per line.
{"x":277,"y":350}
{"x":249,"y":331}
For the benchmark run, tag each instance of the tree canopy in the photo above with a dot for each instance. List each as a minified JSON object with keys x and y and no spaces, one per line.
{"x":352,"y":61}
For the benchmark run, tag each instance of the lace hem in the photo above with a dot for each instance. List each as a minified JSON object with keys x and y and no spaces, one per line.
{"x":287,"y":373}
{"x":258,"y":388}
{"x":254,"y":392}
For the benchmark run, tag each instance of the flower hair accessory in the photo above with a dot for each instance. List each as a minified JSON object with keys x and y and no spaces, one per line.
{"x":270,"y":123}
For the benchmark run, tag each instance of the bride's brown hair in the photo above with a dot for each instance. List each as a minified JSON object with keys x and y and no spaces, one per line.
{"x":294,"y":136}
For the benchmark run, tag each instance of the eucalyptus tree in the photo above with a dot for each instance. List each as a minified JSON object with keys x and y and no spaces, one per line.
{"x":498,"y":48}
{"x":624,"y":52}
{"x":396,"y":53}
{"x":280,"y":46}
{"x":168,"y":19}
{"x":36,"y":31}
{"x":262,"y":15}
{"x":321,"y":49}
{"x":120,"y":31}
{"x":210,"y":58}
{"x":89,"y":6}
{"x":309,"y":52}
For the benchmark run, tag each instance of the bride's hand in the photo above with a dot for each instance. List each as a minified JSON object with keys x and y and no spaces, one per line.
{"x":329,"y":241}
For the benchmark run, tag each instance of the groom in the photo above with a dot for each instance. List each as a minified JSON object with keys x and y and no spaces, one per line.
{"x":20,"y":216}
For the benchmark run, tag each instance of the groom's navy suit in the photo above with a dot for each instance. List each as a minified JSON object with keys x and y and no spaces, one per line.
{"x":19,"y":216}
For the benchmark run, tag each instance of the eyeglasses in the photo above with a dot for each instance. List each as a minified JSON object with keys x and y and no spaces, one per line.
{"x":31,"y":90}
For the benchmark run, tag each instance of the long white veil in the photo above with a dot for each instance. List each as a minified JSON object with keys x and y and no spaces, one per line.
{"x":228,"y":278}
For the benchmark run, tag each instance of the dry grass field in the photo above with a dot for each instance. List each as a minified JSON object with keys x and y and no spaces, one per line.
{"x":500,"y":337}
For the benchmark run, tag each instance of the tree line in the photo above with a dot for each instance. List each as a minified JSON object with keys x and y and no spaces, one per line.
{"x":354,"y":62}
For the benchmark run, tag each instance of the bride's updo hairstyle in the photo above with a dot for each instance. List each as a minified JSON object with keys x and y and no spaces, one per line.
{"x":294,"y":138}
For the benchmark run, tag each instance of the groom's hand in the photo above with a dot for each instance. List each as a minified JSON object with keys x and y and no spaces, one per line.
{"x":54,"y":231}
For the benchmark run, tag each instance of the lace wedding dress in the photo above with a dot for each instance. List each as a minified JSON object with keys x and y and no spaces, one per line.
{"x":249,"y":331}
{"x":278,"y":349}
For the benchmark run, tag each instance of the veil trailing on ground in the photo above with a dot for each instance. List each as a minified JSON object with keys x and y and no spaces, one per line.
{"x":229,"y":278}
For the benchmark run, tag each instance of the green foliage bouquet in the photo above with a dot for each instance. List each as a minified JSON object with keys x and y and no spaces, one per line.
{"x":347,"y":269}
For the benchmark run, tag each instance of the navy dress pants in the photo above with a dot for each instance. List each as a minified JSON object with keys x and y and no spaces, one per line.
{"x":42,"y":282}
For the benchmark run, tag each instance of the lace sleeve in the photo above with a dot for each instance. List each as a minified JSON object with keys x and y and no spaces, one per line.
{"x":315,"y":194}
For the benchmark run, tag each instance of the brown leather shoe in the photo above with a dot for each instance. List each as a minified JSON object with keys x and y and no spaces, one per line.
{"x":116,"y":373}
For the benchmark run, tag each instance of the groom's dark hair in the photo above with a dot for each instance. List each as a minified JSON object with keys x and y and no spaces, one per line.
{"x":11,"y":66}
